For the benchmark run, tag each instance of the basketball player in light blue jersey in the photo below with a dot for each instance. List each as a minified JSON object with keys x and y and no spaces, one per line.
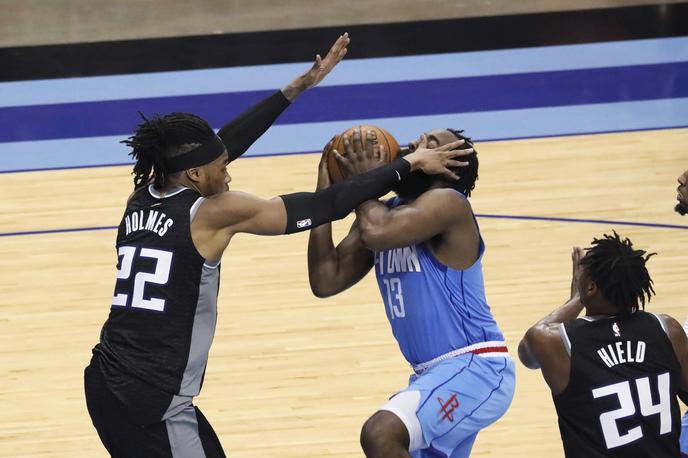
{"x":426,"y":250}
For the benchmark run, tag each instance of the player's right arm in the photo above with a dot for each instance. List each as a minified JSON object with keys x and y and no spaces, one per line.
{"x":332,"y":269}
{"x":542,"y":347}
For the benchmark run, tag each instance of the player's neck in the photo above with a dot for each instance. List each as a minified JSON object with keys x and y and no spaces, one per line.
{"x":177,"y":181}
{"x":601,"y":310}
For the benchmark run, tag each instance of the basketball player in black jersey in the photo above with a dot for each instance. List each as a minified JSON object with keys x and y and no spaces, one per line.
{"x":615,"y":372}
{"x":153,"y":349}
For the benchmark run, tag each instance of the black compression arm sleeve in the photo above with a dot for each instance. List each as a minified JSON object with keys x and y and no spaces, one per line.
{"x":240,"y":133}
{"x":306,"y":210}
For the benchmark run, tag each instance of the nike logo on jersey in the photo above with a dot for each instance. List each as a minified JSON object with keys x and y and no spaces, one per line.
{"x":155,"y":205}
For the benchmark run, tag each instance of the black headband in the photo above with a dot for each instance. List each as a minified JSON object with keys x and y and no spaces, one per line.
{"x":196,"y":157}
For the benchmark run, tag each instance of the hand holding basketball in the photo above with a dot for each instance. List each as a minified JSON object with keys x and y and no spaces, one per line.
{"x":351,"y":153}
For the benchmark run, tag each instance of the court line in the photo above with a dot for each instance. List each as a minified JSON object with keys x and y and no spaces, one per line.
{"x":479,"y":215}
{"x":248,"y":155}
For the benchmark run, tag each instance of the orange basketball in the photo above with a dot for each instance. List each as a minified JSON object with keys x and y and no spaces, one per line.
{"x":384,"y":138}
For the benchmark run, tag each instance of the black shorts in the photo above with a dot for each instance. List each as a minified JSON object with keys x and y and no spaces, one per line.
{"x":186,"y":434}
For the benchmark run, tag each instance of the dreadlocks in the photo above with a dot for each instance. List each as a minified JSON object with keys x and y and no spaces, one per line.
{"x":164,"y":137}
{"x":619,"y":271}
{"x":468,"y":174}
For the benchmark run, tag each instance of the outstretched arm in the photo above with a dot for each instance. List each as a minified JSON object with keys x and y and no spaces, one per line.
{"x":332,"y":270}
{"x":240,"y":133}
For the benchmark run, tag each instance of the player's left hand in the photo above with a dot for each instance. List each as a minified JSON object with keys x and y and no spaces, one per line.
{"x":359,"y":157}
{"x":320,"y":69}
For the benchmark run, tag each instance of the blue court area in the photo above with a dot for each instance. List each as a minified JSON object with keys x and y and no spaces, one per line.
{"x":499,"y":94}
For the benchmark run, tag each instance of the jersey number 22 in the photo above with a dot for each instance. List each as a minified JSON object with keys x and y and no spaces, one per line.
{"x":158,"y":277}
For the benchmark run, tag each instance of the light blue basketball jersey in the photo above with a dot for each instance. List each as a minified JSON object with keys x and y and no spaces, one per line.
{"x":433,"y":309}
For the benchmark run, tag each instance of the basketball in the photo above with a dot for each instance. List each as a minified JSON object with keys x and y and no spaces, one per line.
{"x":384,"y":138}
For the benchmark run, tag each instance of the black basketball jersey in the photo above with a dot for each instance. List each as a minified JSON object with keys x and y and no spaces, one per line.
{"x":621,"y":396}
{"x":154,"y":345}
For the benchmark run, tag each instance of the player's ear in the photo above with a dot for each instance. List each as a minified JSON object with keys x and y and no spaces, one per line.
{"x":591,"y":289}
{"x":194,"y":174}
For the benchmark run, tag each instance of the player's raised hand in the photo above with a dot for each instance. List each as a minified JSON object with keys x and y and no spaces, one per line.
{"x":438,"y":160}
{"x":576,"y":256}
{"x":320,"y":69}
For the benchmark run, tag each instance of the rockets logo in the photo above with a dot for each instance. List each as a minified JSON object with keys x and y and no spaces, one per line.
{"x":447,"y":408}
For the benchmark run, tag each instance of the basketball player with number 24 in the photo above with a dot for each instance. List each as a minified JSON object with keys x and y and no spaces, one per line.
{"x":614,"y":373}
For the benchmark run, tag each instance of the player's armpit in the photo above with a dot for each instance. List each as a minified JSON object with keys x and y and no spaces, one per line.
{"x":433,"y":213}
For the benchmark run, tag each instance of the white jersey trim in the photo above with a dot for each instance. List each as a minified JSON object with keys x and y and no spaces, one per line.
{"x":194,"y":208}
{"x":158,"y":195}
{"x":565,"y":338}
{"x":661,"y":323}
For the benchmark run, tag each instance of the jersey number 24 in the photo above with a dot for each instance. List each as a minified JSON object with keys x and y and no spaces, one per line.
{"x":612,"y":436}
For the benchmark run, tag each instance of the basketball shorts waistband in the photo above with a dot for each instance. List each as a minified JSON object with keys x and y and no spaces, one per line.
{"x":491,"y":349}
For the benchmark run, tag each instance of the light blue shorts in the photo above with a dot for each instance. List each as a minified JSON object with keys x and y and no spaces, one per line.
{"x":458,"y":397}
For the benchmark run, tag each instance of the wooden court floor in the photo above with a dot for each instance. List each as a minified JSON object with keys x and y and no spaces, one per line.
{"x":295,"y":376}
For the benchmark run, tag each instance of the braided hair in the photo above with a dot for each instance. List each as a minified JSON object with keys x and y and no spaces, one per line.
{"x":164,"y":137}
{"x":619,"y":271}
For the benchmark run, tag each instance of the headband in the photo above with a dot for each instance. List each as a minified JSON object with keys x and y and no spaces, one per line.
{"x":202,"y":155}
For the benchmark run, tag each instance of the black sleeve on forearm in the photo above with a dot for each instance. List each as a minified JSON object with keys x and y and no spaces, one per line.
{"x":306,"y":210}
{"x":240,"y":133}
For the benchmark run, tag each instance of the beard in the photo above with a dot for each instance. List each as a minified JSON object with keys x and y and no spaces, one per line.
{"x":414,"y":185}
{"x":681,"y":208}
